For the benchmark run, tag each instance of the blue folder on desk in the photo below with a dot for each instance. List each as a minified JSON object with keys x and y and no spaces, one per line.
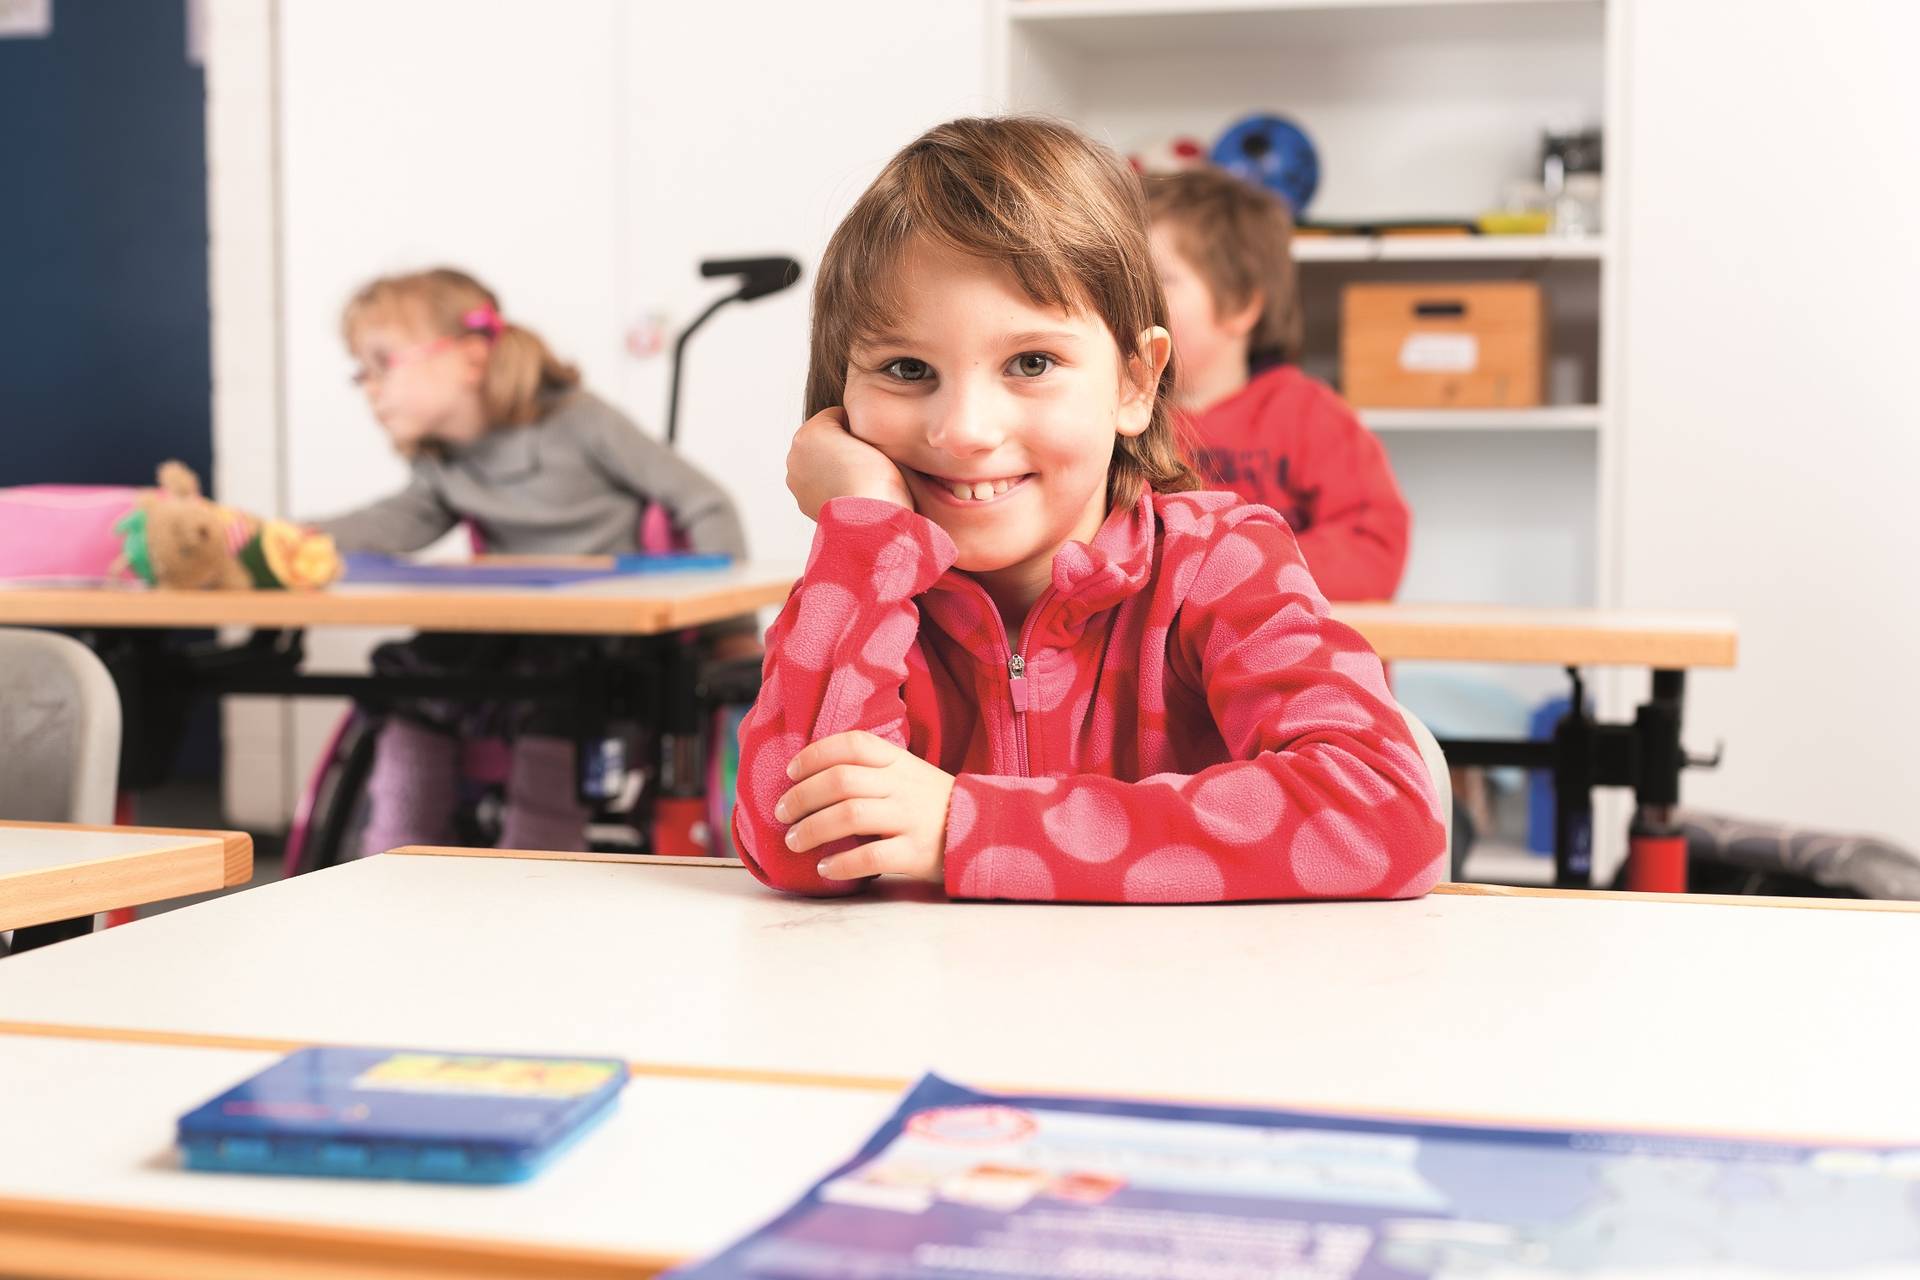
{"x":384,"y":570}
{"x":386,"y":1113}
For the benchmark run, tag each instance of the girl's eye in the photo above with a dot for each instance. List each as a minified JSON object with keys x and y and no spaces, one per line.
{"x":907,"y":369}
{"x":372,"y":371}
{"x":1031,"y":365}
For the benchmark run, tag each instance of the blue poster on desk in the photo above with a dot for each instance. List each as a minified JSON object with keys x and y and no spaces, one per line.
{"x":960,"y":1185}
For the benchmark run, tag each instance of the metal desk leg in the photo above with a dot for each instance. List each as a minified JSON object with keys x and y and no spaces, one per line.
{"x":1573,"y":779}
{"x":40,"y":935}
{"x":1657,"y":850}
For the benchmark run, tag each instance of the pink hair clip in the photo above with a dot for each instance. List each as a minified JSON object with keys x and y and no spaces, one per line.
{"x":484,"y":320}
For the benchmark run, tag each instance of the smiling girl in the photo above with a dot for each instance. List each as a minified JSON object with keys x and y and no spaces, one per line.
{"x":1026,"y":659}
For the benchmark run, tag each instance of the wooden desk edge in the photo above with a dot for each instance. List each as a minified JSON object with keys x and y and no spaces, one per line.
{"x":48,"y":1237}
{"x":236,"y":846}
{"x":466,"y":611}
{"x":1415,"y":641}
{"x":694,"y":612}
{"x":197,"y":862}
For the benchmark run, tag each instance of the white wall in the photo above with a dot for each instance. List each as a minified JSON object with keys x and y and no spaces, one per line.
{"x":244,"y":261}
{"x":479,"y":133}
{"x":1772,"y":307}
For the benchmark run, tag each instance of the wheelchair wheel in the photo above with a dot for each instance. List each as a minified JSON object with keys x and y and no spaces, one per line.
{"x":729,"y":690}
{"x":326,"y":830}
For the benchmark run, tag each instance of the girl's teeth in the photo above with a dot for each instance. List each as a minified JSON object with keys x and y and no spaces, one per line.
{"x":978,"y":492}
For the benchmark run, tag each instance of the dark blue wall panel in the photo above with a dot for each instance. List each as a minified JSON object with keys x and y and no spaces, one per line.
{"x":104,"y":364}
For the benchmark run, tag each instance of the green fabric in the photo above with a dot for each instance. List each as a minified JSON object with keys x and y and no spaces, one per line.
{"x":253,"y":558}
{"x":132,"y":527}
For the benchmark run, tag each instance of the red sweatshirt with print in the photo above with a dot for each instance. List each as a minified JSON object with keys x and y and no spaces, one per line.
{"x":1289,"y":442}
{"x":1179,"y":720}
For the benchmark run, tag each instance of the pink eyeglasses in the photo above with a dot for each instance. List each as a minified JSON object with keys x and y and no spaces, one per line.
{"x":480,"y":320}
{"x":386,"y":363}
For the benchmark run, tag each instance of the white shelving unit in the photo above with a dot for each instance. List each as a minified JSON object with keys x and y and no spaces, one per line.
{"x":1412,"y":248}
{"x":1572,"y":417}
{"x":1418,"y":109}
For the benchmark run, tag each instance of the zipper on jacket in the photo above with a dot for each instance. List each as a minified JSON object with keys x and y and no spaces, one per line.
{"x":1016,"y":668}
{"x":1017,"y":684}
{"x":1017,"y":677}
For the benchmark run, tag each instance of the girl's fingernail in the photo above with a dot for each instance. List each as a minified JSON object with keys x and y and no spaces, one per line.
{"x":780,"y":812}
{"x":821,"y":867}
{"x":792,"y":835}
{"x":790,"y":765}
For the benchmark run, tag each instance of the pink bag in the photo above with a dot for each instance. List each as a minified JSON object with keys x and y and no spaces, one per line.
{"x":62,"y":534}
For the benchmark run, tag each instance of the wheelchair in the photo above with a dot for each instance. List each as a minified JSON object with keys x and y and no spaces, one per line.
{"x":657,"y":748}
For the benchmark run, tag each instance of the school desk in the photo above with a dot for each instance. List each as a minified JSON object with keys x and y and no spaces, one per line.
{"x":159,"y":681}
{"x":768,"y":1034}
{"x":54,"y":877}
{"x":1645,"y":755}
{"x":1561,"y":1007}
{"x":631,"y":604}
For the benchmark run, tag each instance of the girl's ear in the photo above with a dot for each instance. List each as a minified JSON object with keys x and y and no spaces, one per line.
{"x":1141,"y":382}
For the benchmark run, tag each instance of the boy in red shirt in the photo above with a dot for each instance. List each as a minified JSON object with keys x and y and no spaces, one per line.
{"x":1259,"y":427}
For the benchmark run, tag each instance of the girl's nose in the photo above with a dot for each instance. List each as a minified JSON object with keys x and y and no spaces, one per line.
{"x":964,"y":422}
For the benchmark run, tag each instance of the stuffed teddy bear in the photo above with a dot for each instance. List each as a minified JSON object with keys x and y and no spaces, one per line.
{"x":169,"y":536}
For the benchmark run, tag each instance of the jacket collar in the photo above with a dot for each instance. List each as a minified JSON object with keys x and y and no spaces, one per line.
{"x":1089,"y":578}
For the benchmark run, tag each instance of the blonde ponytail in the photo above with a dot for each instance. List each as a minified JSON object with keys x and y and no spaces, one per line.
{"x":521,"y":372}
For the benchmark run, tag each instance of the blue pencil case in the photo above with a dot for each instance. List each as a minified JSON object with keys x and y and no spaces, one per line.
{"x":398,"y":1113}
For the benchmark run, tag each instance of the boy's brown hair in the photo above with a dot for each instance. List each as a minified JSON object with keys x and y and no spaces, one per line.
{"x":1060,"y":211}
{"x":1239,"y":238}
{"x":522,"y":372}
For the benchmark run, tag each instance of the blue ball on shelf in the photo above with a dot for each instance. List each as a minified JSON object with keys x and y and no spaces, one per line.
{"x":1271,"y":152}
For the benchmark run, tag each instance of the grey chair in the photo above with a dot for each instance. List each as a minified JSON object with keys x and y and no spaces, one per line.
{"x":59,"y":731}
{"x":1436,"y":762}
{"x":59,"y":745}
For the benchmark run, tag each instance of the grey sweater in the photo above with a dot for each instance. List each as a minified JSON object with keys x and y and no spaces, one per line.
{"x":573,"y":483}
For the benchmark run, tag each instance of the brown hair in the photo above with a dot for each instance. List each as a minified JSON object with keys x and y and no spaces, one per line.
{"x":1239,"y":237}
{"x":1059,"y":210}
{"x":521,"y":370}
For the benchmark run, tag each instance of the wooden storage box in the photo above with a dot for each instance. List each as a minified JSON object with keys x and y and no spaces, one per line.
{"x":1436,"y":346}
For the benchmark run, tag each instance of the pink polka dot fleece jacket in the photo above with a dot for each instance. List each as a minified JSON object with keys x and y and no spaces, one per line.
{"x":1180,"y":720}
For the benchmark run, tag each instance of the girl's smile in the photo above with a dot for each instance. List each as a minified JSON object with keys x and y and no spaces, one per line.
{"x":966,"y":493}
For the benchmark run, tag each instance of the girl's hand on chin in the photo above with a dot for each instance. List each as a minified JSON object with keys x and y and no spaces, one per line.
{"x":827,"y":461}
